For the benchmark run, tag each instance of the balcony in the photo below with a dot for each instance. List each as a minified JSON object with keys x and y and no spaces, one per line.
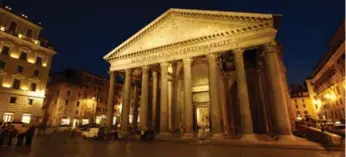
{"x":42,"y":42}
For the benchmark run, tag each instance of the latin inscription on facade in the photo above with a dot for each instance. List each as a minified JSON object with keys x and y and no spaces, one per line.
{"x":152,"y":57}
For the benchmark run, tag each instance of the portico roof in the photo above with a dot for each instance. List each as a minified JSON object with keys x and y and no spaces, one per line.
{"x":182,"y":26}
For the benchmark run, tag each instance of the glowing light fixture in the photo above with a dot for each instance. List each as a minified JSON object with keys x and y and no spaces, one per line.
{"x":44,"y":64}
{"x":6,"y":85}
{"x":2,"y":28}
{"x":24,"y":88}
{"x":37,"y":42}
{"x":13,"y":55}
{"x":20,"y":35}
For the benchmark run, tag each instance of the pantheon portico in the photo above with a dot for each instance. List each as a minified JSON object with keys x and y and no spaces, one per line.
{"x":197,"y":69}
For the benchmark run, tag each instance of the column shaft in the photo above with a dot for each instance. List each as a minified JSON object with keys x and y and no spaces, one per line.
{"x":279,"y":103}
{"x":110,"y":101}
{"x":243,"y":97}
{"x":188,"y":96}
{"x":164,"y":98}
{"x":144,"y":99}
{"x":154,"y":99}
{"x":126,"y":102}
{"x":214,"y":95}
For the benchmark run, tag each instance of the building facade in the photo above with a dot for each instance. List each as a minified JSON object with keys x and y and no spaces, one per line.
{"x":77,"y":97}
{"x":218,"y":70}
{"x":25,"y":60}
{"x":327,"y":86}
{"x":301,"y":103}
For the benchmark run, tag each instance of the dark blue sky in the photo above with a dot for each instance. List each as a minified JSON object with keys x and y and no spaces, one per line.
{"x":83,"y":31}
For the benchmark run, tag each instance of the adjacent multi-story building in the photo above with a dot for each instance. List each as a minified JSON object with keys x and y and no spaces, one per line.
{"x":327,"y":86}
{"x":25,"y":60}
{"x":77,"y":97}
{"x":301,"y":102}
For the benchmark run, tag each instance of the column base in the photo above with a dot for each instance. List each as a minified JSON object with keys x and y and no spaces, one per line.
{"x":217,"y":136}
{"x":249,"y":138}
{"x":189,"y":136}
{"x":287,"y":137}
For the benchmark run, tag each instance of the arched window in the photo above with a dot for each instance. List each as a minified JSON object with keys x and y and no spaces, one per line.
{"x":12,"y":27}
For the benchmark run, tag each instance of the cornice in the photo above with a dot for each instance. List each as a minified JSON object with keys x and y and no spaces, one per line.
{"x":262,"y":19}
{"x":232,"y":32}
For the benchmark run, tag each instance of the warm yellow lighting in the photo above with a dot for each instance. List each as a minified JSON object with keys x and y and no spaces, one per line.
{"x":85,"y":121}
{"x":13,"y":55}
{"x":37,"y":42}
{"x":26,"y":118}
{"x":31,"y":60}
{"x":170,"y":69}
{"x":24,"y":88}
{"x":44,"y":64}
{"x":120,"y":108}
{"x":331,"y":96}
{"x":317,"y":102}
{"x":93,"y":98}
{"x":299,"y":118}
{"x":2,"y":28}
{"x":6,"y":85}
{"x":20,"y":35}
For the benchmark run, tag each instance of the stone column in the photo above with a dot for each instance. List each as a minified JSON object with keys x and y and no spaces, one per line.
{"x":135,"y":107}
{"x":154,"y":99}
{"x":188,"y":99}
{"x":110,"y":101}
{"x":164,"y":99}
{"x":283,"y":126}
{"x":224,"y":109}
{"x":126,"y":104}
{"x":144,"y":99}
{"x":262,"y":95}
{"x":243,"y":97}
{"x":214,"y":98}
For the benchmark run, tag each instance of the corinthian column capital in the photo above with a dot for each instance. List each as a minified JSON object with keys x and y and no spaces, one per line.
{"x":238,"y":52}
{"x":145,"y":69}
{"x":211,"y":58}
{"x":163,"y":64}
{"x":270,"y":47}
{"x":111,"y":73}
{"x":128,"y":72}
{"x":187,"y":61}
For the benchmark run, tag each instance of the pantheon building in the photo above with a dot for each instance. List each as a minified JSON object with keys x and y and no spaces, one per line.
{"x":218,"y":71}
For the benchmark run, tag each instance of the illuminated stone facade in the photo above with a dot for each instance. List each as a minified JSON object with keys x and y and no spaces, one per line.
{"x":222,"y":71}
{"x":327,"y":86}
{"x":301,"y":103}
{"x":76,"y":97}
{"x":25,"y":60}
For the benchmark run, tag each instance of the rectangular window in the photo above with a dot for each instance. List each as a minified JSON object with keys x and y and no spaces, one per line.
{"x":20,"y":68}
{"x":33,"y":87}
{"x":30,"y":101}
{"x":16,"y":84}
{"x":29,"y":33}
{"x":68,"y":93}
{"x":13,"y":100}
{"x":2,"y":64}
{"x":39,"y":60}
{"x":26,"y":118}
{"x":79,"y":94}
{"x":303,"y":100}
{"x":57,"y":92}
{"x":23,"y":56}
{"x":8,"y":117}
{"x":305,"y":112}
{"x":297,"y":106}
{"x":77,"y":103}
{"x":304,"y":105}
{"x":5,"y":50}
{"x":76,"y":112}
{"x":66,"y":102}
{"x":36,"y":73}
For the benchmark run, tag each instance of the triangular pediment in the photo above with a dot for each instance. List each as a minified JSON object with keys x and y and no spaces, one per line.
{"x":177,"y":25}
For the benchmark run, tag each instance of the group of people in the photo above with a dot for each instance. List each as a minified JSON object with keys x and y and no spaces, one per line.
{"x":8,"y":132}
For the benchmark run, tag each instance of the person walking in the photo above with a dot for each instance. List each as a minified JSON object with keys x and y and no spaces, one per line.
{"x":2,"y":133}
{"x":11,"y":133}
{"x":30,"y":135}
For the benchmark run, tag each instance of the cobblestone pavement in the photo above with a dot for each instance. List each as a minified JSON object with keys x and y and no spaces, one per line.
{"x":61,"y":145}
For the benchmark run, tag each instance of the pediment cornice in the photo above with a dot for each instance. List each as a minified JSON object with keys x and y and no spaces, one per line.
{"x":257,"y":21}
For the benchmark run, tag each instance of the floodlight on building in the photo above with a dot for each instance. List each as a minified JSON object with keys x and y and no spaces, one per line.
{"x":20,"y":35}
{"x":2,"y":28}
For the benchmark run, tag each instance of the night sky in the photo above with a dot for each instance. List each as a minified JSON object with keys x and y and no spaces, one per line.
{"x":83,"y":31}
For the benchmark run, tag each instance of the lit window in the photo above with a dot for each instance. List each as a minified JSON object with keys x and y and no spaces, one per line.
{"x":8,"y":117}
{"x":13,"y":100}
{"x":23,"y":56}
{"x":20,"y":68}
{"x":26,"y":118}
{"x":12,"y":28}
{"x":5,"y":50}
{"x":65,"y":121}
{"x":33,"y":87}
{"x":98,"y":119}
{"x":30,"y":101}
{"x":114,"y":120}
{"x":85,"y":121}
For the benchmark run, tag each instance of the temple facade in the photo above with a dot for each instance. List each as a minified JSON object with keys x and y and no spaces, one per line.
{"x":216,"y":70}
